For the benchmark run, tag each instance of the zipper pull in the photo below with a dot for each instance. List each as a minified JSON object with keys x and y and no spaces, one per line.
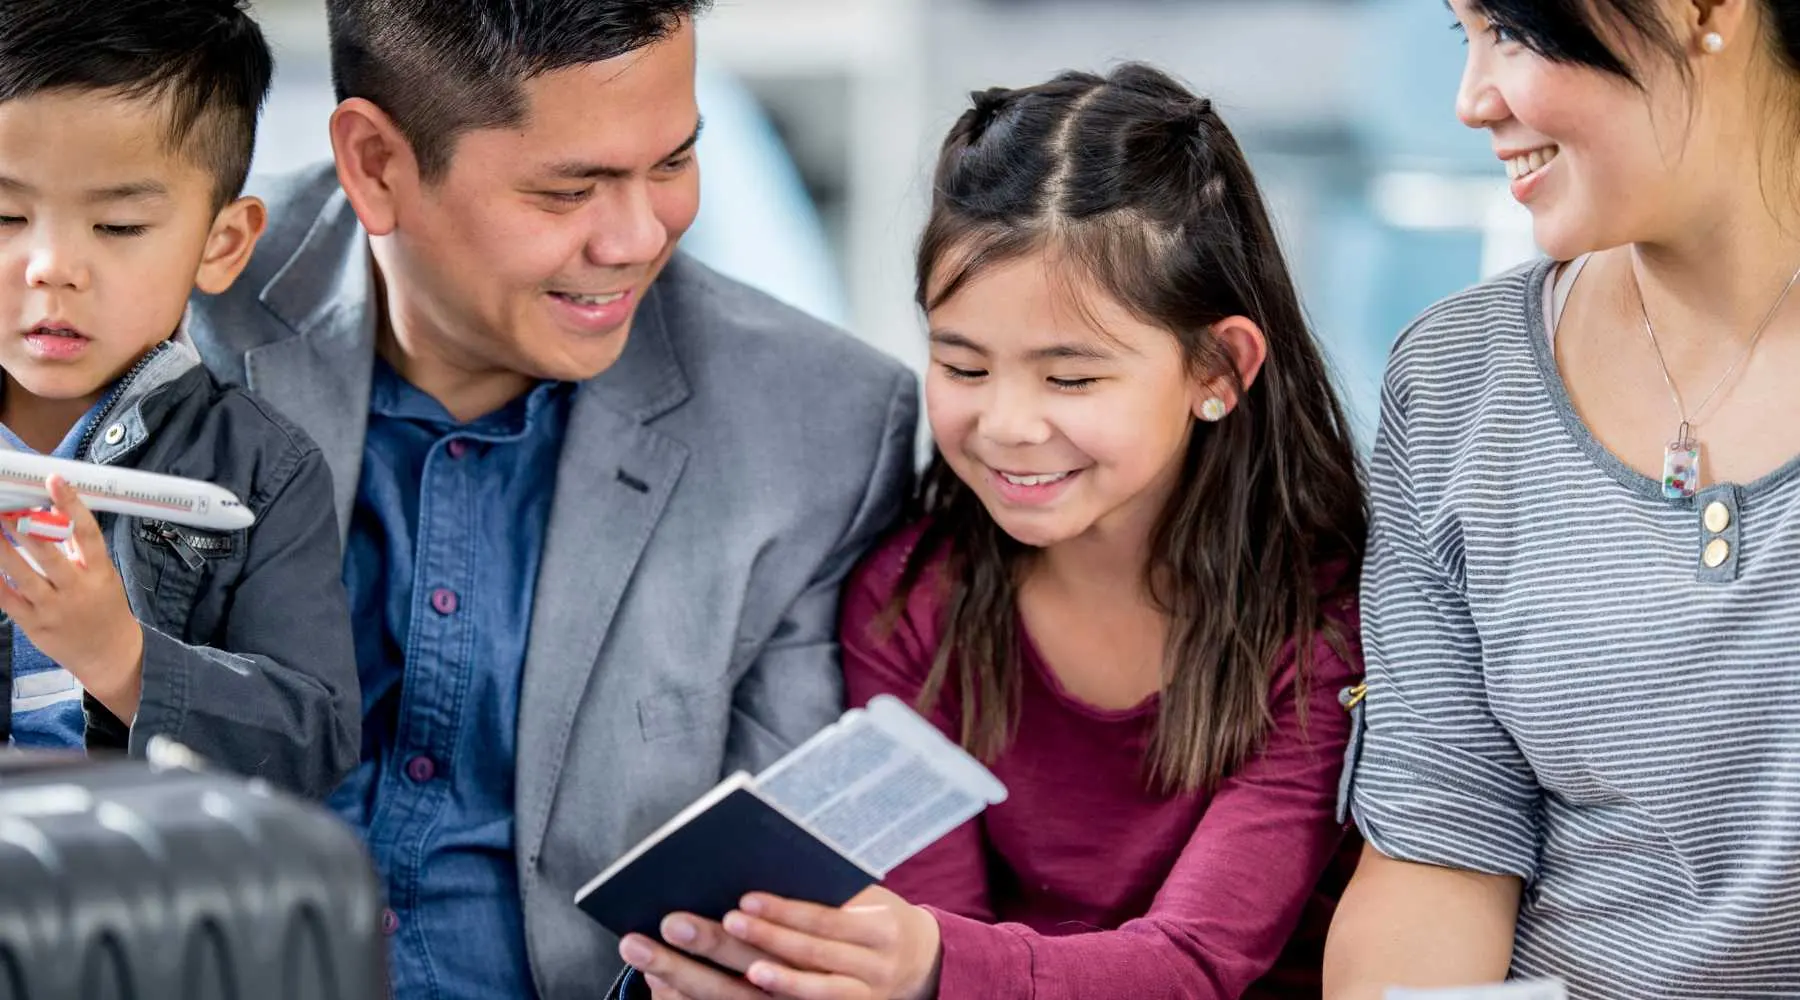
{"x":193,"y":559}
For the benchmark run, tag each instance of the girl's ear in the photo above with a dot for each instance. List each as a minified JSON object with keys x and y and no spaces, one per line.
{"x":1215,"y":394}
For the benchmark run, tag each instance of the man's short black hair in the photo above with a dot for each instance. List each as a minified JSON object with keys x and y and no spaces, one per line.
{"x":205,"y":59}
{"x":440,"y":68}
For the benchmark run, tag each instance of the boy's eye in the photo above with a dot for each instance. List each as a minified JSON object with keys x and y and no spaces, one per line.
{"x":12,"y":220}
{"x":121,"y":230}
{"x":1073,"y":383}
{"x":965,"y":374}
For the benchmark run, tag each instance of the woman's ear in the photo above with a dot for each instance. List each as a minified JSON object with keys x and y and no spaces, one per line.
{"x":1215,"y":394}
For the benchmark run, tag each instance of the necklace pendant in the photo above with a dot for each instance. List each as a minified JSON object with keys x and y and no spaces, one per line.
{"x":1681,"y":468}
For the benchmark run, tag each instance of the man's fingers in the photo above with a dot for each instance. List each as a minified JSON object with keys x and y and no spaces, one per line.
{"x":660,"y":990}
{"x":706,"y":939}
{"x":683,"y":975}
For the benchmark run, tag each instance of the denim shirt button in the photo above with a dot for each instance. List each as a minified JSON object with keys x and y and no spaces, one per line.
{"x":390,"y":922}
{"x":421,"y":769}
{"x":458,"y":448}
{"x":443,"y":601}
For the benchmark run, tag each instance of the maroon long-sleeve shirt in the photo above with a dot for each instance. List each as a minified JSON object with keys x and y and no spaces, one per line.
{"x":1085,"y":884}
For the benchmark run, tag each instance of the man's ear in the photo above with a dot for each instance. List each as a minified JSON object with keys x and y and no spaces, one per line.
{"x":1215,"y":394}
{"x":235,"y":231}
{"x":375,"y":163}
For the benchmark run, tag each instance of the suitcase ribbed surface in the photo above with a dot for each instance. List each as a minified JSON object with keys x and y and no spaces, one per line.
{"x":121,"y":880}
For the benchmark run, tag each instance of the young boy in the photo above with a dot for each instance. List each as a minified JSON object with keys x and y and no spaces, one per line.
{"x":126,"y":130}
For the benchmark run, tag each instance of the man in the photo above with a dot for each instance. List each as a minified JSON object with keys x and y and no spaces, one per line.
{"x":597,"y":500}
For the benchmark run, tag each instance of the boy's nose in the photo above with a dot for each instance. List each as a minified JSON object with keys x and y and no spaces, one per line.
{"x":53,"y":267}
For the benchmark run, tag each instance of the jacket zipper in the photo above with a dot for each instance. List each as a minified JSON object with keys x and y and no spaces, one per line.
{"x":188,"y":549}
{"x":118,"y":393}
{"x":159,"y":529}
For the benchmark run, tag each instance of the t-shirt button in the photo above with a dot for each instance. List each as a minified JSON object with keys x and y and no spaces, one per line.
{"x":1717,"y":551}
{"x":1718,"y":517}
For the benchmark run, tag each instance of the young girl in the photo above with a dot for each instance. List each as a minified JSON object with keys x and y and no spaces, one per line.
{"x":1130,"y":592}
{"x":1583,"y":747}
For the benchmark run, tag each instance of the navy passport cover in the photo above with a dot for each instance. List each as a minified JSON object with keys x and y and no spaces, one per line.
{"x":704,"y":867}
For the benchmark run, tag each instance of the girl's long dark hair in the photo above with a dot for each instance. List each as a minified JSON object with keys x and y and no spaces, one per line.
{"x":1137,"y":184}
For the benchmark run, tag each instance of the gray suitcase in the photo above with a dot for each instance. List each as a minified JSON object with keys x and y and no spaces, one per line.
{"x":126,"y":880}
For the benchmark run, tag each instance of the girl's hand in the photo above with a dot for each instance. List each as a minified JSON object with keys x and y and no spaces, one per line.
{"x":876,"y":947}
{"x":75,"y":609}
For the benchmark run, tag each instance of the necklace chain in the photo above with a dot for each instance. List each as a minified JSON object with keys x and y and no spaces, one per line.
{"x":1688,"y":422}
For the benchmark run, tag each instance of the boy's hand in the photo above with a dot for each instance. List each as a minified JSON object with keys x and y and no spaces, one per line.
{"x":75,"y":610}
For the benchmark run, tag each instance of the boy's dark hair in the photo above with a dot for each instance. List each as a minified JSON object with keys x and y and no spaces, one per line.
{"x":440,"y":68}
{"x":206,"y":59}
{"x":1139,"y":190}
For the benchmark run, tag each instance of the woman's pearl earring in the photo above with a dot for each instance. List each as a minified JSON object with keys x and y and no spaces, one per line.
{"x":1213,"y":410}
{"x":1713,"y":42}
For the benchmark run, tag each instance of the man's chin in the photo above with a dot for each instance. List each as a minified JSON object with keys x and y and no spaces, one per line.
{"x":587,"y":358}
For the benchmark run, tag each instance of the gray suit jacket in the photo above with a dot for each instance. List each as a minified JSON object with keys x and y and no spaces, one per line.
{"x":716,"y":486}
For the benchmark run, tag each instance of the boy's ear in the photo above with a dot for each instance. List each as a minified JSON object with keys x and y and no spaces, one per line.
{"x":235,"y":231}
{"x":1245,"y":348}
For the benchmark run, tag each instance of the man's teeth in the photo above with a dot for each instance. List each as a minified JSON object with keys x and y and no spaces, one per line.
{"x":1530,"y":163}
{"x":591,"y":300}
{"x":1054,"y":477}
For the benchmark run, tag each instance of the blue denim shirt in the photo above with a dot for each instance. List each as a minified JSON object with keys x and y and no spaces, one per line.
{"x":441,"y":567}
{"x":46,"y":699}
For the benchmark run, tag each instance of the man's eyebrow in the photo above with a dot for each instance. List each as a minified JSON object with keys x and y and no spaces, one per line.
{"x":581,"y":170}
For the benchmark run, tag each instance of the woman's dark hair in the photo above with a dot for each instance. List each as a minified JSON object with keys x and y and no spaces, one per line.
{"x":1570,"y":31}
{"x":1138,"y":185}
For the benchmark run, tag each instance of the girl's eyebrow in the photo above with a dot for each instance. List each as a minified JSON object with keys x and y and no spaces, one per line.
{"x":1054,"y":352}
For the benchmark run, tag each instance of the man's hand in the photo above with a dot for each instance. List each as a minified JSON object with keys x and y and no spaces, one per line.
{"x":75,"y":609}
{"x":674,"y":976}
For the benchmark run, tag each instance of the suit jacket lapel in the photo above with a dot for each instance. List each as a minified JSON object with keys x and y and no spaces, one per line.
{"x":613,"y":481}
{"x":320,"y":379}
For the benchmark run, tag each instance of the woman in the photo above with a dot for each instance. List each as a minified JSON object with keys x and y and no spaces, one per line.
{"x":1582,"y":602}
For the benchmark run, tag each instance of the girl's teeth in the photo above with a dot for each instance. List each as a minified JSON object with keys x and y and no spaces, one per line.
{"x":1034,"y":480}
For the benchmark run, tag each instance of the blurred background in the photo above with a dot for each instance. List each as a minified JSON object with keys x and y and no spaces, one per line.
{"x":822,"y":117}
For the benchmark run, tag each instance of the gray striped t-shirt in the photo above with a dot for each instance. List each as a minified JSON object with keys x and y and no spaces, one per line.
{"x":1575,"y":680}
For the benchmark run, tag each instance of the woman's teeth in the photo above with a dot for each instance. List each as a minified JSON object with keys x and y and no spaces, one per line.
{"x":1520,"y":167}
{"x":1054,"y":477}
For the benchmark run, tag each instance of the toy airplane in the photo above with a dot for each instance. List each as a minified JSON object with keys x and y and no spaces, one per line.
{"x":25,"y":496}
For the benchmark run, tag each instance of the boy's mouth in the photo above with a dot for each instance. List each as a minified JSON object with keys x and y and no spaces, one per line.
{"x":55,"y":341}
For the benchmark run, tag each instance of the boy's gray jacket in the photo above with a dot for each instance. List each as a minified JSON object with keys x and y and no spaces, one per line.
{"x":248,"y":657}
